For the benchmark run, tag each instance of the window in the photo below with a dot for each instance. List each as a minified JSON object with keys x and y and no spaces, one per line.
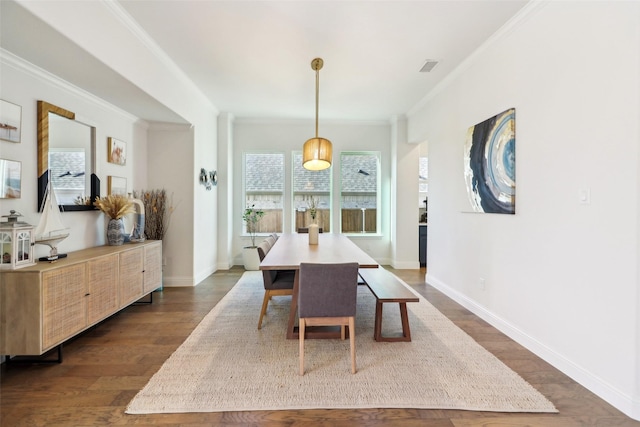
{"x":67,"y":172}
{"x":423,"y":181}
{"x":359,"y":193}
{"x":307,"y":186}
{"x":264,"y":189}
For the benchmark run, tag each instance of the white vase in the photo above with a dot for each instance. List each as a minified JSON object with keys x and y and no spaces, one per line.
{"x":313,"y":234}
{"x":250,"y":258}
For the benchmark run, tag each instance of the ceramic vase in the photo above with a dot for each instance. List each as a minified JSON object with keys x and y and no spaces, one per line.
{"x":313,"y":234}
{"x":251,"y":258}
{"x":115,"y":232}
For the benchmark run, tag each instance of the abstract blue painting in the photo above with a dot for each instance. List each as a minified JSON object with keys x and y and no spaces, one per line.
{"x":490,"y":164}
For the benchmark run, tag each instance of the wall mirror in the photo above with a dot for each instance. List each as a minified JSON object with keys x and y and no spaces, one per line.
{"x":66,"y":158}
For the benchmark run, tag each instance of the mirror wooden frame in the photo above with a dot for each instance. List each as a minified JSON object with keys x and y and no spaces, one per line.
{"x":44,"y":108}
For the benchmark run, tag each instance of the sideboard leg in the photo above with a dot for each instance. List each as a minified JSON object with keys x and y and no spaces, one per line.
{"x":38,"y":359}
{"x":140,"y":302}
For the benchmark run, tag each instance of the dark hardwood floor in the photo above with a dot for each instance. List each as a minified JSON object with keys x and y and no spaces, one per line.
{"x":106,"y":366}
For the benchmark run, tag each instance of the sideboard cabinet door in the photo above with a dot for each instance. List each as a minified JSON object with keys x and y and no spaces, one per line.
{"x":102,"y":288}
{"x":63,"y":304}
{"x":130,"y":280}
{"x":152,"y":267}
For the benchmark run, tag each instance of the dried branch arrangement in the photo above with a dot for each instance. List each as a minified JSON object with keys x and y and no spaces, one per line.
{"x":158,"y":208}
{"x":115,"y":205}
{"x":80,"y":200}
{"x":313,"y":208}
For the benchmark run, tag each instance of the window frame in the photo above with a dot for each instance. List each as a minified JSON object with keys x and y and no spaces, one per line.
{"x":329,"y":171}
{"x":378,"y":156}
{"x":243,"y":227}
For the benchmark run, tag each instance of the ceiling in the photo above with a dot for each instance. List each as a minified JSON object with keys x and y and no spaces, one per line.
{"x":253,"y":58}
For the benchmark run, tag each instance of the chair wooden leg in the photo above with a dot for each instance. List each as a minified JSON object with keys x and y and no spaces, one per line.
{"x":265,"y":303}
{"x":301,"y":328}
{"x":352,"y":342}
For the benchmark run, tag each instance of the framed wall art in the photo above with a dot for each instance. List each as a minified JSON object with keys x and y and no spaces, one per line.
{"x":490,"y":164}
{"x":10,"y":121}
{"x":117,"y":151}
{"x":10,"y":179}
{"x":116,"y":185}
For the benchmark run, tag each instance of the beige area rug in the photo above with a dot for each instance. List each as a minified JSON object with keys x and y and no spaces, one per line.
{"x":227,"y":364}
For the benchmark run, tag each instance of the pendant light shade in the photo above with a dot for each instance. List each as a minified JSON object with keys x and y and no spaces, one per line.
{"x":317,"y":152}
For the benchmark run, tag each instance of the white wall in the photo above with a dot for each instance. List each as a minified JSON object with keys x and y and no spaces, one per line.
{"x":172,"y":150}
{"x":404,"y":189}
{"x":288,"y":136}
{"x":226,"y":190}
{"x":177,"y":161}
{"x":205,"y":202}
{"x":561,"y":276}
{"x":23,"y":84}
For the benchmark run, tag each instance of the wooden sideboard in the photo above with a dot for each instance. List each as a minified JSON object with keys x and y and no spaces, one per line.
{"x":42,"y":306}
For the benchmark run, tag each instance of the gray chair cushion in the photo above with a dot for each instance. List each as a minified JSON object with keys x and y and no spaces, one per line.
{"x":279,"y":279}
{"x":271,"y":240}
{"x":263,"y":249}
{"x":275,"y":279}
{"x":328,"y":290}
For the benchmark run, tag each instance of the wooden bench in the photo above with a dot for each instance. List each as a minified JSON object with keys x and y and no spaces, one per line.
{"x":386,"y":287}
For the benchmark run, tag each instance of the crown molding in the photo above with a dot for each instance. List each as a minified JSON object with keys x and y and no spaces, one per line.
{"x":11,"y":60}
{"x":525,"y":13}
{"x":147,"y":41}
{"x":169,"y":127}
{"x":304,"y":122}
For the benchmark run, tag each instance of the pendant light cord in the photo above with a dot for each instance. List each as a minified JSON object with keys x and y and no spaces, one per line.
{"x":317,"y":96}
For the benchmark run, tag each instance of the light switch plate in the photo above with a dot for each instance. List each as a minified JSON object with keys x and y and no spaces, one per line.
{"x":584,"y":196}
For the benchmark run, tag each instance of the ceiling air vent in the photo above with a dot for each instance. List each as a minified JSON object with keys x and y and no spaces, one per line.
{"x":428,"y":66}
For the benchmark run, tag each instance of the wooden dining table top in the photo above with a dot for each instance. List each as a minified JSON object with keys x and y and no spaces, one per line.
{"x":292,"y":249}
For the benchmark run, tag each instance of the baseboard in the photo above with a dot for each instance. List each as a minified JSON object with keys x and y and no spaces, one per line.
{"x":405,"y":265}
{"x":204,"y":274}
{"x":623,"y":402}
{"x":383,"y":261}
{"x":177,"y":282}
{"x":224,"y":266}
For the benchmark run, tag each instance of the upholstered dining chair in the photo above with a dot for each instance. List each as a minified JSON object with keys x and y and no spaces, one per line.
{"x":276,"y":282}
{"x":271,"y":240}
{"x":326,"y":297}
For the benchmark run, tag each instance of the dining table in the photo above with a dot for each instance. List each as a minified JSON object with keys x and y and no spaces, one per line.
{"x":292,"y":249}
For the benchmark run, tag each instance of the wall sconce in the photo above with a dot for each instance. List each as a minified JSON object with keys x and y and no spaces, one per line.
{"x":208,"y":179}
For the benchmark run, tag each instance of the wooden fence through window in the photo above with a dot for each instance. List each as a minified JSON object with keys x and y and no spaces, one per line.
{"x":351,"y":221}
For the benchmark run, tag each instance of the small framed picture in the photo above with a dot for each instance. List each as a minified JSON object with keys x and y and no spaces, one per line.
{"x":10,"y":121}
{"x":10,"y":179}
{"x":116,"y":185}
{"x":117,"y":151}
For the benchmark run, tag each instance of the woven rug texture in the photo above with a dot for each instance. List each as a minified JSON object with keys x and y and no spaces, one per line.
{"x":227,"y":364}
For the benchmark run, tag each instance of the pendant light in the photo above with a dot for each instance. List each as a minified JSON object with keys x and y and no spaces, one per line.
{"x":316,"y":153}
